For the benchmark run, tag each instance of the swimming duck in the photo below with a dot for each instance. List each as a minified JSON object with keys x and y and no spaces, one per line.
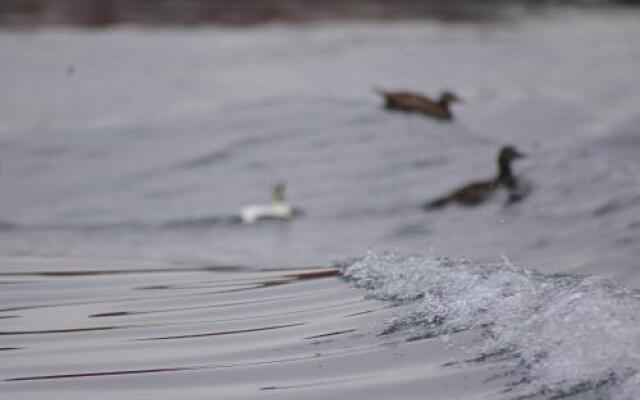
{"x":278,"y":209}
{"x":415,"y":102}
{"x":477,"y":192}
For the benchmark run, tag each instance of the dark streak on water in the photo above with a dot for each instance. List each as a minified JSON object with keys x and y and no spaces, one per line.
{"x":323,"y":335}
{"x":233,"y":332}
{"x":272,"y":338}
{"x":96,"y":374}
{"x":56,"y":331}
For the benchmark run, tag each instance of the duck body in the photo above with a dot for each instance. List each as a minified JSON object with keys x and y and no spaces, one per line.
{"x":275,"y":211}
{"x":469,"y":195}
{"x":278,"y":209}
{"x":415,"y":102}
{"x":478,"y":192}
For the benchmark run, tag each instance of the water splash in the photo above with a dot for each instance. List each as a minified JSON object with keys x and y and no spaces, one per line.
{"x":561,"y":335}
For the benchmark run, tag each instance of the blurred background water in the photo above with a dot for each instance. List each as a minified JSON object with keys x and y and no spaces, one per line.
{"x":139,"y":140}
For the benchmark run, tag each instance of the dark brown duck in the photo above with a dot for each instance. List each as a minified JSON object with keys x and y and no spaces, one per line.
{"x":477,"y":192}
{"x":415,"y":102}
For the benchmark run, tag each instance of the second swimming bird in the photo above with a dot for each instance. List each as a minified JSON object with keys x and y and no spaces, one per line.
{"x":279,"y":209}
{"x":477,"y":192}
{"x":416,"y":102}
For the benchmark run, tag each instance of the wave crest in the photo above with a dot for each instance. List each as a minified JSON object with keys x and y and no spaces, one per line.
{"x":560,"y":335}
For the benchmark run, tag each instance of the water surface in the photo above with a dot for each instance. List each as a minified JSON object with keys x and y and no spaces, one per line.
{"x":142,"y":144}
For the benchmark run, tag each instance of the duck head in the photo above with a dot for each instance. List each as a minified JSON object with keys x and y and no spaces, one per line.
{"x":278,"y":192}
{"x":447,"y":97}
{"x":505,"y":156}
{"x":508,"y":154}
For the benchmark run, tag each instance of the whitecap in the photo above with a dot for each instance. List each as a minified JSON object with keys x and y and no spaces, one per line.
{"x":564,"y":335}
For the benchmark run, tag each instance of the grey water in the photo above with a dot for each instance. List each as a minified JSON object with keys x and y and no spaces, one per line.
{"x":125,"y":153}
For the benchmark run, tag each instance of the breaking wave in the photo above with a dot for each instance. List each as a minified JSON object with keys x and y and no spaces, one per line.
{"x":560,"y":336}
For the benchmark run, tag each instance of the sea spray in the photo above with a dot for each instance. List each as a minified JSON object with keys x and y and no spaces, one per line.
{"x":561,"y":335}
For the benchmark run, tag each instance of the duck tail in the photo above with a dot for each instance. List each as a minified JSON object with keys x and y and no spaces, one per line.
{"x":435,"y":204}
{"x":388,"y":101}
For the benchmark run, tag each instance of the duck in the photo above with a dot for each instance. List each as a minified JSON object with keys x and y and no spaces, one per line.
{"x":278,"y":209}
{"x":476,"y":193}
{"x":416,"y":102}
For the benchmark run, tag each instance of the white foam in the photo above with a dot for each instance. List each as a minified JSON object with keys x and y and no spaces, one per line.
{"x":569,"y":334}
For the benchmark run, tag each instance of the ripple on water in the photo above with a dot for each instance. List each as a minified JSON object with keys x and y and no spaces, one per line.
{"x":207,"y":332}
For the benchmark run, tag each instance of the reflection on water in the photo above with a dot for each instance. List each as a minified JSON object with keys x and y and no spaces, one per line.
{"x":202,"y":333}
{"x":234,"y":332}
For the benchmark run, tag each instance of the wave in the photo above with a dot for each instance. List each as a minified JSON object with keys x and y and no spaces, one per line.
{"x":560,"y":336}
{"x":7,"y":226}
{"x":202,"y":222}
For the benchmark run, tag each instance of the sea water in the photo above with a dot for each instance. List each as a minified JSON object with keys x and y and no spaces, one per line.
{"x":126,"y":152}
